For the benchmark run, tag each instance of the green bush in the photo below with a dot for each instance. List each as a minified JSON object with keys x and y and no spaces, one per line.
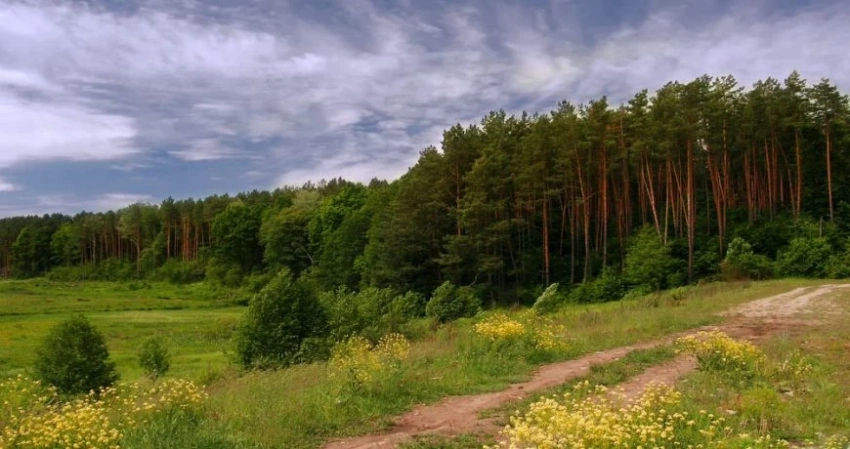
{"x":649,"y":261}
{"x":73,"y":358}
{"x":838,"y":265}
{"x":279,"y":319}
{"x":608,"y":287}
{"x":154,"y":357}
{"x":449,"y":303}
{"x":372,"y":313}
{"x":180,"y":272}
{"x":548,"y":301}
{"x":805,"y":257}
{"x":742,"y":263}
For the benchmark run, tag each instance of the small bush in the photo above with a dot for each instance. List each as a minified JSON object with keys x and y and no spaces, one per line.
{"x":716,"y":351}
{"x":180,"y":272}
{"x":360,"y":365}
{"x":806,"y":257}
{"x":548,"y":301}
{"x":530,"y":331}
{"x":154,"y":357}
{"x":449,"y":303}
{"x":607,"y":287}
{"x":649,"y":261}
{"x":278,"y":321}
{"x":372,"y":312}
{"x":742,"y":263}
{"x":838,"y":265}
{"x":73,"y":358}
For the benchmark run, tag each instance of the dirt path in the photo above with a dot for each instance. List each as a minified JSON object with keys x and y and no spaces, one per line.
{"x":460,"y":414}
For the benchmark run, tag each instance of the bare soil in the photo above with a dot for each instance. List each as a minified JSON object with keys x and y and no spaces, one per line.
{"x":460,"y":414}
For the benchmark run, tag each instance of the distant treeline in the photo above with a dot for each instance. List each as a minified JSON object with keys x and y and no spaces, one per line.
{"x":509,"y":205}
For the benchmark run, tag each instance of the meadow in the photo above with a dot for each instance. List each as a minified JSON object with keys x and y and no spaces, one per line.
{"x":307,"y":405}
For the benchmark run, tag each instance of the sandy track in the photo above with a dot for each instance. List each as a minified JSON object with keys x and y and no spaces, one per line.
{"x":460,"y":414}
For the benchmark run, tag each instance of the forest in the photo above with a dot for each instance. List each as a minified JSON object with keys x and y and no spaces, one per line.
{"x":698,"y":180}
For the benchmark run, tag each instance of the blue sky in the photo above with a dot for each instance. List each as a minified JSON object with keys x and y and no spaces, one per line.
{"x":107,"y":102}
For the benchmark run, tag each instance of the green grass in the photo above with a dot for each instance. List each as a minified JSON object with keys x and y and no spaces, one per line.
{"x":301,"y":407}
{"x":195,"y":323}
{"x":808,"y":408}
{"x":451,"y":362}
{"x":800,"y":396}
{"x":438,"y":442}
{"x":42,"y":297}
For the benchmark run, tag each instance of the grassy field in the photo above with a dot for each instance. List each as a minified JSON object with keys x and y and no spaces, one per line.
{"x":195,"y":321}
{"x":303,"y":406}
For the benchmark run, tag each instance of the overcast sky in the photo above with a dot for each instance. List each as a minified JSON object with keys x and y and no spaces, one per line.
{"x":107,"y":102}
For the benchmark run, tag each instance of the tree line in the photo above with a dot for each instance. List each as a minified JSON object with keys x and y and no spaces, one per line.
{"x":506,"y":206}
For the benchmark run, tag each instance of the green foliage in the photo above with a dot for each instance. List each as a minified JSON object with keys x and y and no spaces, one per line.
{"x":548,"y":301}
{"x":279,"y":320}
{"x":742,"y":263}
{"x":236,"y":232}
{"x":180,"y":271}
{"x":31,"y":252}
{"x":285,"y":234}
{"x":838,"y":265}
{"x":649,"y":261}
{"x":805,"y":257}
{"x":372,"y":312}
{"x":449,"y":303}
{"x":113,"y":269}
{"x":610,"y":286}
{"x":73,"y":358}
{"x":154,"y":357}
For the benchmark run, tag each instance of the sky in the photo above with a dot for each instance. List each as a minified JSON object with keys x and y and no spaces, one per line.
{"x":104,"y":103}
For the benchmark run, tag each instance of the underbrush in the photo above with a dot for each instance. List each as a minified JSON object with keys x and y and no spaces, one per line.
{"x":36,"y":416}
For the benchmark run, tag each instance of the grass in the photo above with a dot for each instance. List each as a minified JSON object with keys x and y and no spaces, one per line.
{"x":799,"y":395}
{"x":194,"y":322}
{"x":302,"y":407}
{"x":807,"y":407}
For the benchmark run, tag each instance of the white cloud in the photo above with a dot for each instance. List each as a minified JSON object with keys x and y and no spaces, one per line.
{"x":204,"y":150}
{"x":6,"y":186}
{"x":98,"y":203}
{"x":44,"y":130}
{"x":356,"y":100}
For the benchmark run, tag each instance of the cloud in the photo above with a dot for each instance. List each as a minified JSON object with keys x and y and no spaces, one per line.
{"x":309,"y":92}
{"x":6,"y":186}
{"x":204,"y":150}
{"x":99,"y":203}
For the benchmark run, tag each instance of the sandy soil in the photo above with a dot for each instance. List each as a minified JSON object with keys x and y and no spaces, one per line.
{"x":460,"y":414}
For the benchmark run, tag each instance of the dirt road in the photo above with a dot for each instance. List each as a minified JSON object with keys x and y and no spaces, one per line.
{"x":460,"y":414}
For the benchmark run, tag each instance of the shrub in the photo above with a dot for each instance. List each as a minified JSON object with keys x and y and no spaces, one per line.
{"x":154,"y":357}
{"x":180,"y":272}
{"x":73,"y":358}
{"x":742,"y":263}
{"x":449,"y":303}
{"x":531,"y":331}
{"x":649,"y":261}
{"x":716,"y":351}
{"x":279,"y":319}
{"x":549,"y":300}
{"x":360,"y":365}
{"x":805,"y":257}
{"x":838,"y":265}
{"x":607,"y":287}
{"x":372,"y":312}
